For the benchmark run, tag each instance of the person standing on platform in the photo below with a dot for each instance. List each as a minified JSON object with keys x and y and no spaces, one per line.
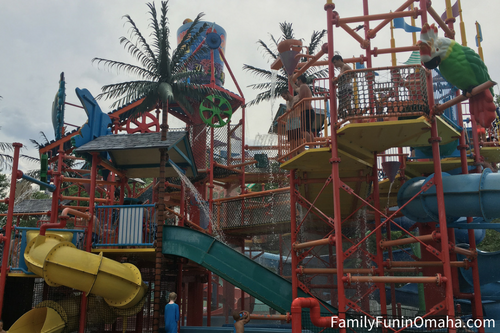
{"x":307,"y":114}
{"x":171,"y":314}
{"x":344,"y":85}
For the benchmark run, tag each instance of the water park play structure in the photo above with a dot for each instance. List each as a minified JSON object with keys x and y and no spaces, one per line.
{"x":401,"y":151}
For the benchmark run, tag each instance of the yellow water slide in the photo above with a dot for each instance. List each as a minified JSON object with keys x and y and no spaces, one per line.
{"x":53,"y":257}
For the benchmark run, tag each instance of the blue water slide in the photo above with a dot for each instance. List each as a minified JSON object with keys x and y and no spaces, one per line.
{"x":461,"y":233}
{"x":471,"y":195}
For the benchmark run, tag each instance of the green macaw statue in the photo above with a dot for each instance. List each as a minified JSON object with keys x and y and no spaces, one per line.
{"x":460,"y":66}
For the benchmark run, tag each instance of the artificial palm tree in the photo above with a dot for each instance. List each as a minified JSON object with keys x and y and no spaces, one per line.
{"x":164,"y":79}
{"x":281,"y":83}
{"x":6,"y":159}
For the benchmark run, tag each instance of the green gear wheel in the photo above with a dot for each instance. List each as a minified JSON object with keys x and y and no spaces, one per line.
{"x":218,"y":107}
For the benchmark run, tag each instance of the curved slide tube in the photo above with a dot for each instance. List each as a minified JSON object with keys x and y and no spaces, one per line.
{"x":59,"y":262}
{"x":471,"y":195}
{"x":232,"y":266}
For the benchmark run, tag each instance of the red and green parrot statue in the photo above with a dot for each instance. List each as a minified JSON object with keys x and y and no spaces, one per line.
{"x":460,"y":66}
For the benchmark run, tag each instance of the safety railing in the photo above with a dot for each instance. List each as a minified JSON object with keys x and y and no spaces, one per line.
{"x":124,"y":225}
{"x":255,"y":209}
{"x":303,"y":127}
{"x":379,"y":94}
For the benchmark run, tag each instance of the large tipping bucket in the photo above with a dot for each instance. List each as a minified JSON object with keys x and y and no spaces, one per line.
{"x":288,"y":51}
{"x":203,"y":61}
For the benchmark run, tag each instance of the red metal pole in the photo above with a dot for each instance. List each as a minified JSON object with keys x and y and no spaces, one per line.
{"x":336,"y":183}
{"x":378,"y":236}
{"x":88,"y":246}
{"x":242,"y":293}
{"x":209,"y":299}
{"x":477,"y":308}
{"x":293,"y":234}
{"x":8,"y":225}
{"x":180,"y":294}
{"x":182,"y":204}
{"x":445,"y":253}
{"x":211,"y":176}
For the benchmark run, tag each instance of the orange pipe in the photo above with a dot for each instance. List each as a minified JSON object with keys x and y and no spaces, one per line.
{"x":87,"y":181}
{"x":373,"y":32}
{"x":77,"y":171}
{"x":325,"y":63}
{"x":110,"y":167}
{"x":63,"y":220}
{"x":302,"y":270}
{"x":308,"y":64}
{"x":364,"y":43}
{"x":253,"y":194}
{"x":64,"y":197}
{"x":247,"y":147}
{"x":70,"y":157}
{"x":464,"y":263}
{"x":172,"y":185}
{"x":403,"y":269}
{"x":271,"y":317}
{"x":234,"y":166}
{"x":440,"y":22}
{"x":376,"y":51}
{"x":426,"y":238}
{"x":465,"y":252}
{"x":26,"y":214}
{"x":386,"y":16}
{"x":191,"y":224}
{"x":315,"y":314}
{"x":487,"y":85}
{"x":325,"y":241}
{"x":438,"y":279}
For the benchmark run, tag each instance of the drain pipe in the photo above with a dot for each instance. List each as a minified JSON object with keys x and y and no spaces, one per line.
{"x":315,"y":313}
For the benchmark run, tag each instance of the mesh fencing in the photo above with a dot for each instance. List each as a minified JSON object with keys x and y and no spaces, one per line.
{"x":100,"y":317}
{"x":382,"y":92}
{"x":228,"y":145}
{"x":253,"y":210}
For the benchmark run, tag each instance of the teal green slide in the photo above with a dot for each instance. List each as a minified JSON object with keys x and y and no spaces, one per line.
{"x":232,"y":266}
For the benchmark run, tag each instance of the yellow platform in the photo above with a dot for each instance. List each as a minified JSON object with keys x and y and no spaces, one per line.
{"x":491,"y":154}
{"x":318,"y":160}
{"x":357,"y":143}
{"x":361,"y":139}
{"x":424,"y":168}
{"x":314,"y":166}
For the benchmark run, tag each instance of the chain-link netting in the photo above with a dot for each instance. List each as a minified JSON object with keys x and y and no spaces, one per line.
{"x":253,"y":210}
{"x":382,"y":92}
{"x":228,"y":145}
{"x":100,"y":317}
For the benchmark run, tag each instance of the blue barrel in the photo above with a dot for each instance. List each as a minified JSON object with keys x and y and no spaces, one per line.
{"x":202,"y":63}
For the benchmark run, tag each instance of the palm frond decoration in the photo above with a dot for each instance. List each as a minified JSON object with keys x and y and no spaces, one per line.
{"x":271,"y":52}
{"x":6,"y":159}
{"x":162,"y":73}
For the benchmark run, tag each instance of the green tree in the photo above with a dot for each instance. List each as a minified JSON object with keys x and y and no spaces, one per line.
{"x":164,"y":79}
{"x":491,"y":242}
{"x":282,"y":77}
{"x":4,"y":186}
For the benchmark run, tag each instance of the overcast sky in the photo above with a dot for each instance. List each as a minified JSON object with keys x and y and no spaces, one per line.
{"x":41,"y":39}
